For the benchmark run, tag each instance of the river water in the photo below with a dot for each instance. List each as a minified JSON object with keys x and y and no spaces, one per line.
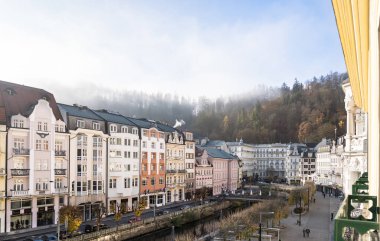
{"x":194,"y":227}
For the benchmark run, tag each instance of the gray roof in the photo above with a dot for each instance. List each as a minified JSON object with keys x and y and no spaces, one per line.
{"x":80,"y":111}
{"x":166,"y":128}
{"x":142,"y":123}
{"x":114,"y":118}
{"x":214,"y":143}
{"x":216,"y":153}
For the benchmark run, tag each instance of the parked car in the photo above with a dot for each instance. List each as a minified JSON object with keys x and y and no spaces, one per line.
{"x":134,"y":219}
{"x":101,"y":226}
{"x":88,"y":228}
{"x":185,"y":207}
{"x":162,"y":212}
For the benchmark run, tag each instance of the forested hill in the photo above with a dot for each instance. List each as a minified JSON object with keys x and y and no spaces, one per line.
{"x":305,"y":112}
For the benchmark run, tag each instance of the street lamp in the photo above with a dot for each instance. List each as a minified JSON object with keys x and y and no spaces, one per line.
{"x":261,"y":213}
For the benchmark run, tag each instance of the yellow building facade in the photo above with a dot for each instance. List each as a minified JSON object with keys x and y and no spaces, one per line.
{"x":358,"y":25}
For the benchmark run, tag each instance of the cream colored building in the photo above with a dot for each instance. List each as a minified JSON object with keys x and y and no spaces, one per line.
{"x":175,"y":167}
{"x":3,"y":176}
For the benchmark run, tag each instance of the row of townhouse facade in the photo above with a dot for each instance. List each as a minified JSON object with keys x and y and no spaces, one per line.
{"x":54,"y":154}
{"x":293,"y":163}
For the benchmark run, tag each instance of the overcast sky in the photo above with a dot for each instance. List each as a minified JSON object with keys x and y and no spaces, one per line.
{"x":191,"y":48}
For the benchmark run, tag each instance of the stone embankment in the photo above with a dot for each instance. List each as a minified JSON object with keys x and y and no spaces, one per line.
{"x":127,"y":231}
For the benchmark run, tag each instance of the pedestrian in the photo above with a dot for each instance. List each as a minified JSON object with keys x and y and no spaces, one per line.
{"x":307,"y":232}
{"x":324,"y":195}
{"x":314,"y":200}
{"x":303,"y":232}
{"x":332,"y":216}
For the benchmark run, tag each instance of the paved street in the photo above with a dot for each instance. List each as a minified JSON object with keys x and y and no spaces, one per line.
{"x":318,"y":220}
{"x":21,"y":235}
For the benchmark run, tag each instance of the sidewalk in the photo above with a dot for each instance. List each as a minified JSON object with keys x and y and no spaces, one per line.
{"x":318,"y":220}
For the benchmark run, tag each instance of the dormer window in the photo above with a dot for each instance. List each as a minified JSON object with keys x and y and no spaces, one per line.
{"x":124,"y":129}
{"x":10,"y":91}
{"x":95,"y":126}
{"x":113,"y":128}
{"x":80,"y":123}
{"x":18,"y":123}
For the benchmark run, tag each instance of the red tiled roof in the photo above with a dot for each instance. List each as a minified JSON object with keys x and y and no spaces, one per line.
{"x":19,"y":99}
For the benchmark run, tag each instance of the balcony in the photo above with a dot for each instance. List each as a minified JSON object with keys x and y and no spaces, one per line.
{"x":21,"y":152}
{"x":20,"y":172}
{"x":19,"y":193}
{"x":173,"y":171}
{"x":357,"y":215}
{"x":182,"y":171}
{"x":60,"y":172}
{"x":61,"y":190}
{"x":60,"y":153}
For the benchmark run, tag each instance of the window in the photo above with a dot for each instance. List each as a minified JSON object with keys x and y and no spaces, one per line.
{"x":38,"y":144}
{"x":18,"y":123}
{"x":127,"y":154}
{"x":80,"y":123}
{"x":95,"y":126}
{"x":161,"y":145}
{"x":58,"y":145}
{"x":161,"y":180}
{"x":135,"y":143}
{"x":41,"y":165}
{"x":39,"y":126}
{"x":19,"y":185}
{"x":145,"y":133}
{"x":135,"y":182}
{"x":135,"y":155}
{"x":112,"y":183}
{"x":113,"y":128}
{"x":81,"y":186}
{"x":97,"y":185}
{"x":58,"y":183}
{"x":124,"y":129}
{"x":81,"y":170}
{"x":18,"y":143}
{"x":134,"y":131}
{"x":127,"y":182}
{"x":143,"y":182}
{"x":144,"y":144}
{"x":127,"y":142}
{"x":152,"y":181}
{"x":153,"y":145}
{"x":45,"y":126}
{"x":45,"y":145}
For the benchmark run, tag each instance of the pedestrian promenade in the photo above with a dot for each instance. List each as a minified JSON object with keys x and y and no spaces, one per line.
{"x":318,"y":220}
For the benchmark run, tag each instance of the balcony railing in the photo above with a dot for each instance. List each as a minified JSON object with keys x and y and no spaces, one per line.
{"x":20,"y":193}
{"x":21,"y":151}
{"x":357,"y":215}
{"x":60,"y":172}
{"x":171,"y":171}
{"x":182,"y":171}
{"x":61,"y":190}
{"x":60,"y":153}
{"x":20,"y":172}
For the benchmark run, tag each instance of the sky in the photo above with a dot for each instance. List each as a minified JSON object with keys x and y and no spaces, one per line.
{"x":189,"y":48}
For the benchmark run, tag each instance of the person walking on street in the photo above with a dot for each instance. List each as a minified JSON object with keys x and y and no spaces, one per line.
{"x":303,"y":231}
{"x":307,"y":232}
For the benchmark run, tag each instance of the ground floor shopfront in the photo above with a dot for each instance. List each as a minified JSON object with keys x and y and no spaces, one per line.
{"x":31,"y":212}
{"x":123,"y":204}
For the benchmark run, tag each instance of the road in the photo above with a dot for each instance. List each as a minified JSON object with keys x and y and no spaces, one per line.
{"x":108,"y":221}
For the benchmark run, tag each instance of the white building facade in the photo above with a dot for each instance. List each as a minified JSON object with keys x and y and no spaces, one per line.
{"x":37,"y":166}
{"x":355,"y":151}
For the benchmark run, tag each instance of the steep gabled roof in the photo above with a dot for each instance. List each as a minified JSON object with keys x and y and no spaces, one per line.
{"x":80,"y":111}
{"x":20,"y":99}
{"x":114,"y":118}
{"x":142,"y":123}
